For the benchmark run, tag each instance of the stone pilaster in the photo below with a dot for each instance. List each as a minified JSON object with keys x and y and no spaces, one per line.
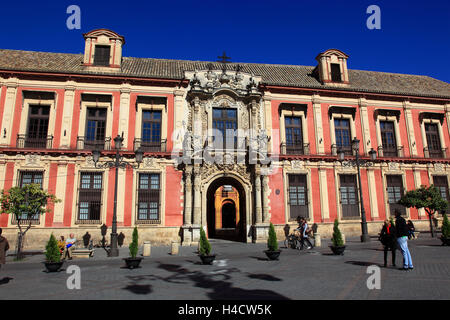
{"x":66,"y":128}
{"x":197,"y":206}
{"x":124,"y":112}
{"x":323,"y":186}
{"x":447,"y":116}
{"x":187,"y":231}
{"x":318,"y":127}
{"x":8,"y":112}
{"x":373,"y":197}
{"x":410,"y":128}
{"x":364,"y":125}
{"x":265,"y":199}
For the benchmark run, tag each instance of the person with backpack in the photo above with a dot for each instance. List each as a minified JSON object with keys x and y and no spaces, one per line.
{"x":402,"y":233}
{"x":388,"y":239}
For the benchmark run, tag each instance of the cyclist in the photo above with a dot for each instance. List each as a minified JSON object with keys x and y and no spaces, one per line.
{"x":304,"y":234}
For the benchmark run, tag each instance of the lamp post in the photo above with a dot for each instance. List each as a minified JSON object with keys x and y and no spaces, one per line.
{"x":366,"y":163}
{"x":116,"y":163}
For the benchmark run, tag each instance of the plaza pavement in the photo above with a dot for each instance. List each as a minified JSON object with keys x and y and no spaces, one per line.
{"x":241,"y":271}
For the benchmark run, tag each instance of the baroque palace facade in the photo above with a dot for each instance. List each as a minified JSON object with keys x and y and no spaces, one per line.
{"x":228,"y":147}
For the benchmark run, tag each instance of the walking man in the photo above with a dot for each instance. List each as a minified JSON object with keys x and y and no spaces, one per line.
{"x":4,"y":246}
{"x":402,"y":240}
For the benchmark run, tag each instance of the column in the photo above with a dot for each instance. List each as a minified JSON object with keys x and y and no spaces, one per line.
{"x":372,"y":193}
{"x":410,"y":128}
{"x":318,"y":128}
{"x":258,"y":198}
{"x":179,"y":117}
{"x":8,"y":112}
{"x":323,"y":191}
{"x":66,"y":128}
{"x":124,"y":112}
{"x":365,"y":129}
{"x":265,"y":199}
{"x":187,"y":231}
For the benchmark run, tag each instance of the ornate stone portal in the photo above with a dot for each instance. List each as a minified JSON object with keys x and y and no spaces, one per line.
{"x":203,"y":165}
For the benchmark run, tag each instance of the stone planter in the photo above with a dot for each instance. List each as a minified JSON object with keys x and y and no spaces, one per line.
{"x":207,"y":259}
{"x":132,"y":262}
{"x":53,"y":266}
{"x":338,"y":250}
{"x":272,"y":255}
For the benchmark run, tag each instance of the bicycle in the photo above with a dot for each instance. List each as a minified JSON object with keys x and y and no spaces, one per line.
{"x":292,"y":241}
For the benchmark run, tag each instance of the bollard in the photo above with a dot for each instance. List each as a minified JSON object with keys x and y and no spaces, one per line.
{"x":174,"y":248}
{"x":147,"y":249}
{"x":317,"y":242}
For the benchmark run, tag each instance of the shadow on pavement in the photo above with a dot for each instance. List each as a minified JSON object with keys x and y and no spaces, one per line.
{"x":5,"y":280}
{"x":139,"y":288}
{"x":218,"y":282}
{"x":363,"y":264}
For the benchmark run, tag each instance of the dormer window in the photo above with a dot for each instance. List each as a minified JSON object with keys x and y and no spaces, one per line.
{"x":102,"y":55}
{"x":335,"y":72}
{"x":103,"y":48}
{"x":332,"y":67}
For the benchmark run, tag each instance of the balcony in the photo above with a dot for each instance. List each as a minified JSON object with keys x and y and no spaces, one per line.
{"x":84,"y":144}
{"x":435,"y":153}
{"x":347,"y":150}
{"x":34,"y":143}
{"x":294,"y":149}
{"x":149,"y":146}
{"x":391,"y":152}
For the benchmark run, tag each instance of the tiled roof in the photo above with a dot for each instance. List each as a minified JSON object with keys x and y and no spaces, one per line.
{"x":280,"y":75}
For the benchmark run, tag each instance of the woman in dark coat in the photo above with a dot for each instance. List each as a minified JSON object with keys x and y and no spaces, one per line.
{"x":4,"y":246}
{"x":389,"y":240}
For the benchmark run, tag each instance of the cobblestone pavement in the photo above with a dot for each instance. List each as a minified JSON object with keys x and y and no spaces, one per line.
{"x":241,"y":271}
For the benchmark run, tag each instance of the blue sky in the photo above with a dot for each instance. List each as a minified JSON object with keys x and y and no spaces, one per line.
{"x":414,"y":36}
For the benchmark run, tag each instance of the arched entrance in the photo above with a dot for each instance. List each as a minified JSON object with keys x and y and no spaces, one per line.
{"x":226,"y":216}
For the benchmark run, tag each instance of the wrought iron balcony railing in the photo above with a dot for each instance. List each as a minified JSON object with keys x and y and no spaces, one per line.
{"x":294,"y":149}
{"x":85,"y":144}
{"x":150,"y":146}
{"x":435,"y":153}
{"x":34,"y":143}
{"x":390,"y":152}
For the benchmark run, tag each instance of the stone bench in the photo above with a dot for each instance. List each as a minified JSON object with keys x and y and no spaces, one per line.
{"x":82,"y":253}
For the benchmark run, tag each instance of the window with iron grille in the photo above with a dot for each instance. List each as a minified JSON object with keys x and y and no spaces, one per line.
{"x":225,"y":122}
{"x":37,"y":126}
{"x":294,"y":137}
{"x":335,"y":72}
{"x":388,"y":138}
{"x":151,"y":130}
{"x":101,"y":56}
{"x":298,"y":196}
{"x":433,"y":140}
{"x":441,"y":183}
{"x":95,"y":128}
{"x":148,"y":205}
{"x":349,"y":199}
{"x":395,"y":192}
{"x":27,"y":177}
{"x":90,"y":197}
{"x":343,"y":136}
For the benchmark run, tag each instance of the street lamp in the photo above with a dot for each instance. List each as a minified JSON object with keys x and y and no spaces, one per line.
{"x":364,"y":163}
{"x":116,"y":163}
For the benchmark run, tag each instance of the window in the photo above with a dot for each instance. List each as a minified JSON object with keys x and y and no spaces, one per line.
{"x":37,"y":127}
{"x":101,"y":56}
{"x":440,"y":182}
{"x":342,"y":132}
{"x":27,"y":177}
{"x":225,"y":124}
{"x":90,"y":196}
{"x":294,"y":138}
{"x":433,"y":140}
{"x":148,"y":208}
{"x":395,"y":191}
{"x":336,"y":72}
{"x":151,"y":130}
{"x":348,"y":193}
{"x":95,"y":128}
{"x":298,"y":196}
{"x":388,"y":138}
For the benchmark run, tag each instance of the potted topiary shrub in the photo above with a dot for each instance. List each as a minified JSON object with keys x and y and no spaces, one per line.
{"x":52,"y":255}
{"x":338,"y":247}
{"x":272,"y":251}
{"x":205,"y":249}
{"x":133,"y":261}
{"x":445,"y":237}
